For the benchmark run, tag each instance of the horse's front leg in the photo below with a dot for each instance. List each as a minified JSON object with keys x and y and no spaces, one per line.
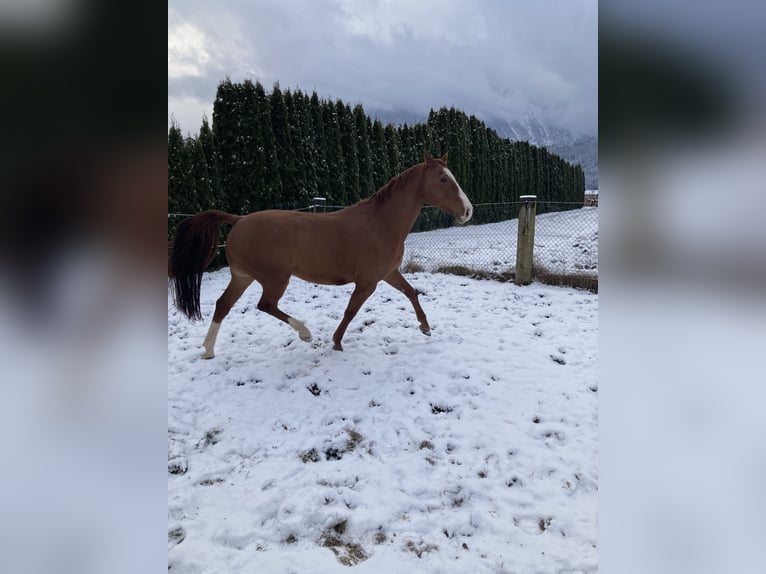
{"x":358,"y":297}
{"x":397,"y":281}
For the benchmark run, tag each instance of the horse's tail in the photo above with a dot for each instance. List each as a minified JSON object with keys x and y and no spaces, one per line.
{"x":193,"y":249}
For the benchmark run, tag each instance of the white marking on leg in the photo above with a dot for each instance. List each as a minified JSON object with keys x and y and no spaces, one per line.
{"x":209,"y":342}
{"x":467,"y":207}
{"x":303,"y":331}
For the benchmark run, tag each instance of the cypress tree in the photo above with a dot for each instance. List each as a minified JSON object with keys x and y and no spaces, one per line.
{"x":407,"y":146}
{"x":380,"y":169}
{"x":181,"y":197}
{"x":392,"y":150}
{"x":350,"y":160}
{"x":293,"y":104}
{"x":239,"y":154}
{"x":199,"y":175}
{"x":334,"y":155}
{"x":319,"y":151}
{"x":308,"y":144}
{"x":288,"y":193}
{"x":266,"y":187}
{"x":364,"y":154}
{"x":478,"y":151}
{"x":213,"y":201}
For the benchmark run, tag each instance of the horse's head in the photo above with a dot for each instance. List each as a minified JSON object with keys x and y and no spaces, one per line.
{"x":441,"y":189}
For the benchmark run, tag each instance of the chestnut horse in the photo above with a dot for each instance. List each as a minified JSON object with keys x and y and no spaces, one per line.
{"x":361,"y":244}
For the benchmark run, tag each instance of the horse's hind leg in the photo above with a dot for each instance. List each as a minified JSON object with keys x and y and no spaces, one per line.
{"x":272,"y":293}
{"x":397,"y":281}
{"x":358,"y":297}
{"x":237,"y":286}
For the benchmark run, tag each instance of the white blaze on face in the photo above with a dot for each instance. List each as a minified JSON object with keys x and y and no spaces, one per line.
{"x":467,"y":207}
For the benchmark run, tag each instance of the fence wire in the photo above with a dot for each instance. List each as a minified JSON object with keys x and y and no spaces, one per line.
{"x":566,"y":239}
{"x":566,"y":242}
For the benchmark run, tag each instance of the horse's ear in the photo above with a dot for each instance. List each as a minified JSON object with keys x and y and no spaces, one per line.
{"x":444,"y":157}
{"x":427,"y":156}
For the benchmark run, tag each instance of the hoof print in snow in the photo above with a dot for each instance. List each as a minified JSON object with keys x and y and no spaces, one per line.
{"x":354,"y":438}
{"x":558,"y":435}
{"x":211,"y":437}
{"x":420,"y":548}
{"x":310,"y":456}
{"x":558,"y":359}
{"x":513,"y":481}
{"x":593,"y":389}
{"x":176,"y":536}
{"x":530,"y":525}
{"x":178,"y":466}
{"x":314,"y":389}
{"x":333,"y":454}
{"x":210,"y":481}
{"x":438,"y":409}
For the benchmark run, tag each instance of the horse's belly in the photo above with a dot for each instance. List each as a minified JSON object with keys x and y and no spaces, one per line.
{"x":323,"y":278}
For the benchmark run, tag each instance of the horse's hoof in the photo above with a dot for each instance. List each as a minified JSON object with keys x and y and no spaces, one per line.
{"x":305,"y":335}
{"x":207,"y":355}
{"x":337,"y":347}
{"x":426,"y":332}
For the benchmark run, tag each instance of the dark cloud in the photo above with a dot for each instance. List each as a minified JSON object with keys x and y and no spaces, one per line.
{"x":490,"y":58}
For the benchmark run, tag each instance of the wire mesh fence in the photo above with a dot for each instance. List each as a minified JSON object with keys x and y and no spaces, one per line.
{"x":565,"y":243}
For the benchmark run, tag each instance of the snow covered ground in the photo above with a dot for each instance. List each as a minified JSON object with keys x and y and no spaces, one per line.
{"x":565,"y":242}
{"x":473,"y":450}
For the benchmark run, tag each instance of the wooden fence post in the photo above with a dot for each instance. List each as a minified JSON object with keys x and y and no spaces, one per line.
{"x":526,"y":239}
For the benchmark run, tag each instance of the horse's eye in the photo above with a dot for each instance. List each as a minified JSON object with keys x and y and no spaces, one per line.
{"x":444,"y":179}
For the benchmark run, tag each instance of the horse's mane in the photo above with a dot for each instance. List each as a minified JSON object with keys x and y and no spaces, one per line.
{"x":397,"y":182}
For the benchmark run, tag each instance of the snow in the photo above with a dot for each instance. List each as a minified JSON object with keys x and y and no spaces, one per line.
{"x":473,"y":450}
{"x":565,"y":242}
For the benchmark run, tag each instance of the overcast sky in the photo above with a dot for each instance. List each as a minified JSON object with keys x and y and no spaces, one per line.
{"x":491,"y":58}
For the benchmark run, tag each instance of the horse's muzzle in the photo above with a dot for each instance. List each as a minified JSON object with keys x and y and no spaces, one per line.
{"x":465,"y":216}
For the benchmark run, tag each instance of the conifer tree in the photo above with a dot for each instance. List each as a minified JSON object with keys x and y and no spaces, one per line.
{"x":235,"y":133}
{"x":208,"y":147}
{"x":288,"y":192}
{"x":333,"y":155}
{"x":199,"y":176}
{"x":319,"y":151}
{"x":308,"y":145}
{"x":364,"y":154}
{"x":293,"y":104}
{"x":380,"y":169}
{"x":350,"y":156}
{"x":392,"y":150}
{"x":268,"y":187}
{"x":181,"y":196}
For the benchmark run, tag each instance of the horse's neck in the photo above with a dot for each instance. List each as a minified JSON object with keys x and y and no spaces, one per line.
{"x":396,"y":216}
